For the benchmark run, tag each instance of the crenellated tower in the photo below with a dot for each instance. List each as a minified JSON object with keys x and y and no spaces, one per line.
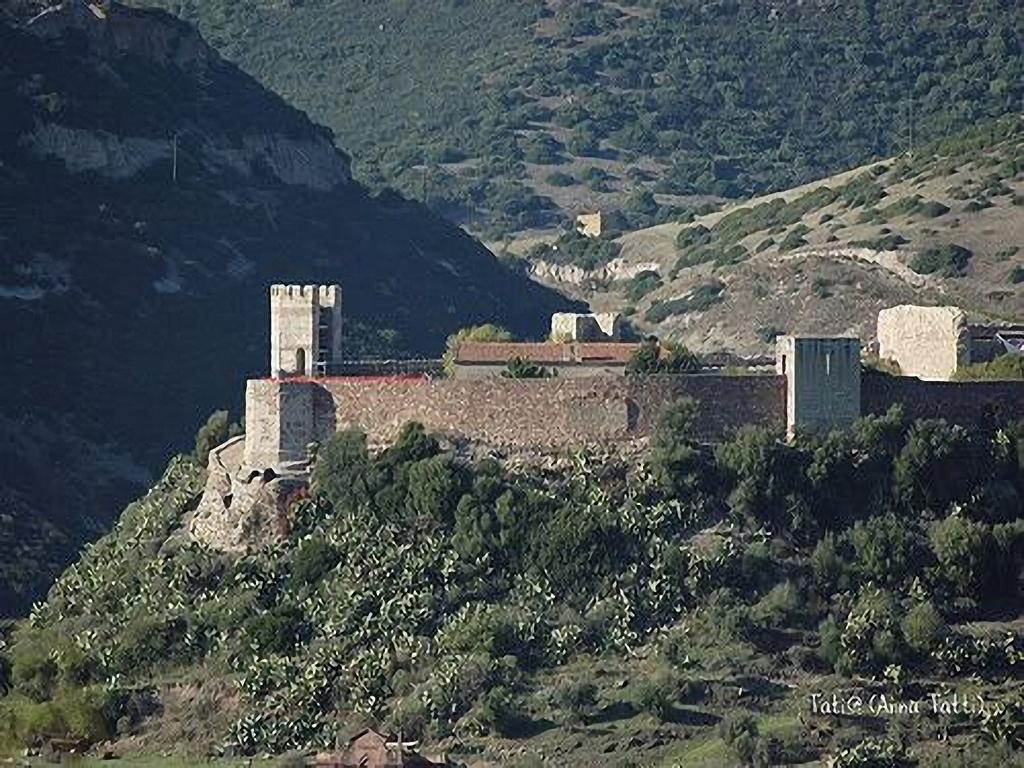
{"x":305,"y":330}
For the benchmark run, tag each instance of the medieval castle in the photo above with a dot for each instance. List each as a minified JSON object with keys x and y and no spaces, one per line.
{"x":817,"y":383}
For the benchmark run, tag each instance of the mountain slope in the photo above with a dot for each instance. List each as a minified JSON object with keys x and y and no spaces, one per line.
{"x":133,"y":274}
{"x":944,"y":226}
{"x":488,"y":109}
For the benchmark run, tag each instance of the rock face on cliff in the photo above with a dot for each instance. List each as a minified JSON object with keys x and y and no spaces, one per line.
{"x":149,"y":192}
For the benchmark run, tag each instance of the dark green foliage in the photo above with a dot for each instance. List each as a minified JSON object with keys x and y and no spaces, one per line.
{"x":888,"y":242}
{"x":939,"y":464}
{"x":691,"y":236}
{"x":277,"y":631}
{"x":924,"y":628}
{"x":964,"y":549}
{"x":560,"y":179}
{"x":655,"y":693}
{"x":518,"y":368}
{"x":744,"y":116}
{"x":794,"y":239}
{"x":886,"y":549}
{"x":701,"y":298}
{"x":1008,"y":366}
{"x":679,"y":463}
{"x":442,"y":588}
{"x":574,"y":248}
{"x":1017,"y":274}
{"x":215,"y":431}
{"x":945,"y":260}
{"x":313,"y":560}
{"x":654,"y":356}
{"x":641,"y":284}
{"x":740,"y":734}
{"x":576,"y":699}
{"x":341,"y":471}
{"x":764,"y":471}
{"x":932,"y":209}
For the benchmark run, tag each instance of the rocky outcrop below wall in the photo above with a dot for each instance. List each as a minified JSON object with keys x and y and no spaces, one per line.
{"x":242,"y":509}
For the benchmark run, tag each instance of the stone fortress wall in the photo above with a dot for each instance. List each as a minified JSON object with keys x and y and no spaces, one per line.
{"x":282,"y":416}
{"x":817,"y":385}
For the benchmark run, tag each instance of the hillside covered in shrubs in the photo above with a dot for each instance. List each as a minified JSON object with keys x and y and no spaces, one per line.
{"x":587,"y":610}
{"x":508,"y":115}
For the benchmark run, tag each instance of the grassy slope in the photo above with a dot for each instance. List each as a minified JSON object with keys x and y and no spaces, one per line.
{"x":831,"y":284}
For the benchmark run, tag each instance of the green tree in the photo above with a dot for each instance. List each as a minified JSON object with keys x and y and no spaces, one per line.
{"x":485,"y":332}
{"x":886,"y":549}
{"x":964,"y":550}
{"x":343,"y":472}
{"x":679,"y":463}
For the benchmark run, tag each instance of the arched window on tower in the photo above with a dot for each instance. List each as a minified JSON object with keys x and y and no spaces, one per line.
{"x":300,"y":361}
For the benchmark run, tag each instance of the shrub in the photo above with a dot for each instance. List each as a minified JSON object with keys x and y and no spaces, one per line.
{"x":641,"y":284}
{"x":314,"y":558}
{"x":342,"y":470}
{"x":560,"y":179}
{"x":499,"y":712}
{"x":34,"y":671}
{"x":793,"y":239}
{"x":827,"y":566}
{"x":486,"y":332}
{"x":520,"y":368}
{"x":655,"y":693}
{"x":1017,"y":274}
{"x":964,"y":550}
{"x":933,"y":209}
{"x":740,"y":734}
{"x":277,"y":631}
{"x":946,"y":260}
{"x":701,"y":298}
{"x":871,"y":639}
{"x":689,"y":237}
{"x":677,"y":461}
{"x":924,"y":628}
{"x":886,"y":549}
{"x":657,"y":357}
{"x":1008,"y":366}
{"x":575,"y":698}
{"x":215,"y":431}
{"x":781,"y":607}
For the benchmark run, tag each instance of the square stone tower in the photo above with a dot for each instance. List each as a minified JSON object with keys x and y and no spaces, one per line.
{"x":822,"y":381}
{"x":305,"y":330}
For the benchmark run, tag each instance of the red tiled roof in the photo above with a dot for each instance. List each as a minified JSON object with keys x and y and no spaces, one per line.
{"x":500,"y":352}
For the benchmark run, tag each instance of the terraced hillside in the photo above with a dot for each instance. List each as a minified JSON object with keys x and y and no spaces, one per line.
{"x":945,"y":225}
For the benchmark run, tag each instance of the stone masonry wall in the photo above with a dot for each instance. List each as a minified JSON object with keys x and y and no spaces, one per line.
{"x":282,"y":416}
{"x":965,"y":403}
{"x":552,"y":413}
